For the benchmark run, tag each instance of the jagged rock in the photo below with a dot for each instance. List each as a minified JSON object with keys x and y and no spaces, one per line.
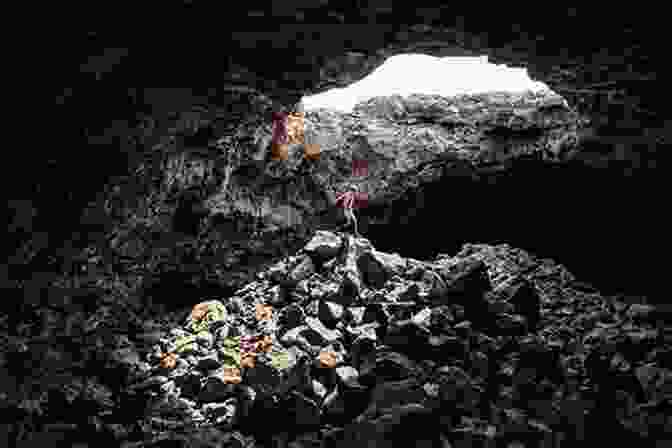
{"x":302,"y":410}
{"x":442,"y":319}
{"x":349,"y":290}
{"x":378,"y":267}
{"x":292,"y":336}
{"x":210,"y":362}
{"x":291,"y":316}
{"x":467,"y":282}
{"x":303,"y":270}
{"x":544,"y":361}
{"x":354,"y":315}
{"x":348,"y":376}
{"x":640,"y":312}
{"x":366,"y":330}
{"x":298,"y":376}
{"x":324,"y":246}
{"x":394,"y":264}
{"x":278,"y":296}
{"x":527,"y":303}
{"x":221,"y":413}
{"x":330,"y":313}
{"x":400,"y":421}
{"x":363,"y":353}
{"x":129,"y":357}
{"x":445,"y":347}
{"x":319,"y":390}
{"x":338,"y":350}
{"x":215,"y":390}
{"x":390,"y":394}
{"x":326,"y":336}
{"x":507,"y":324}
{"x":151,"y":382}
{"x":407,"y":337}
{"x":383,"y":355}
{"x":406,"y":293}
{"x":422,"y":318}
{"x":189,"y":384}
{"x":388,"y":366}
{"x":325,"y":291}
{"x":373,"y":272}
{"x":375,"y":312}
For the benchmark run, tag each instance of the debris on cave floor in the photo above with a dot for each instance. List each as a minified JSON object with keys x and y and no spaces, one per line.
{"x":356,"y":345}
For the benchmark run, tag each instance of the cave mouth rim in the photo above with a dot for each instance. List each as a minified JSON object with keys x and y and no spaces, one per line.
{"x":391,"y":61}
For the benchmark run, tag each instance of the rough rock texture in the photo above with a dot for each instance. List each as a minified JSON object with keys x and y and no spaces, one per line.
{"x":614,"y":76}
{"x":509,"y":350}
{"x":427,"y":139}
{"x":76,"y":281}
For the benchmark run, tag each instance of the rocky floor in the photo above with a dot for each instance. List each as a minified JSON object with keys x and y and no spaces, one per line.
{"x":340,"y":344}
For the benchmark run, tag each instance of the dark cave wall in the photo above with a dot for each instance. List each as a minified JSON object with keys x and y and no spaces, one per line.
{"x":601,"y":224}
{"x":85,"y":140}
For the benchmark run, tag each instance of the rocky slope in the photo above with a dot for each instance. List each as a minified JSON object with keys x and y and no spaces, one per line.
{"x":202,"y":188}
{"x":357,"y":346}
{"x":203,"y":213}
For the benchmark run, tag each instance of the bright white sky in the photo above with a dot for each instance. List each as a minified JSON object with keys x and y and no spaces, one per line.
{"x":420,"y":73}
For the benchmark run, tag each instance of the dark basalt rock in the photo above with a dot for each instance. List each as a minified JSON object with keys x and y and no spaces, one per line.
{"x":127,"y":140}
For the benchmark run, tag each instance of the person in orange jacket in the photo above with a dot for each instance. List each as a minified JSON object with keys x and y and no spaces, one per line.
{"x":280,"y":138}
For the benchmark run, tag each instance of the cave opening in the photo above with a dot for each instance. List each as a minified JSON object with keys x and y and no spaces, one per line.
{"x":406,"y":74}
{"x":576,"y":214}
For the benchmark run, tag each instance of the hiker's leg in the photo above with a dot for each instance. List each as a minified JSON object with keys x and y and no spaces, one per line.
{"x":354,"y":222}
{"x":350,"y":217}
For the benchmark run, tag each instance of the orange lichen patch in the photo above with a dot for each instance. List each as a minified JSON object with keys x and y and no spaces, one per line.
{"x":199,"y":311}
{"x":248,"y":361}
{"x":295,"y":128}
{"x":231,"y":375}
{"x":279,"y":151}
{"x":311,"y":151}
{"x":327,"y":360}
{"x":264,"y":345}
{"x":264,"y":312}
{"x":168,"y":361}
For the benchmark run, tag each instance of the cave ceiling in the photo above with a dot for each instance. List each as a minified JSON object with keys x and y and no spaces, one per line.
{"x":604,"y":61}
{"x":607,"y":61}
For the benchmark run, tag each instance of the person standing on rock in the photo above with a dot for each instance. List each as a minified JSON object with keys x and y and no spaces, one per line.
{"x":348,"y":200}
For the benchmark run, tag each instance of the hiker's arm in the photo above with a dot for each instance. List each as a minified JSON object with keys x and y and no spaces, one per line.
{"x":332,"y":198}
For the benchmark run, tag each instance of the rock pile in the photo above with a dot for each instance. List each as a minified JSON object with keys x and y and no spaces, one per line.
{"x":341,"y":344}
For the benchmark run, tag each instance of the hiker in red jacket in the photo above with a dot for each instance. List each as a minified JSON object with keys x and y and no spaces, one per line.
{"x":350,"y":199}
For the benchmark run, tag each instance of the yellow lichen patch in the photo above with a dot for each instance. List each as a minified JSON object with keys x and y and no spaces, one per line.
{"x":185,"y":344}
{"x":168,"y":361}
{"x":205,"y":313}
{"x":280,"y":360}
{"x":230,"y":352}
{"x":327,"y":360}
{"x":264,"y":312}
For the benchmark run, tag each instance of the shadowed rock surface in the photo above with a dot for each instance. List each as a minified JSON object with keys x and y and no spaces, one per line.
{"x":150,"y":200}
{"x":491,"y":345}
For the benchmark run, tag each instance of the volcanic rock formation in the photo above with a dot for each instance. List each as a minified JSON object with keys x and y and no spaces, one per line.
{"x":117,"y":222}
